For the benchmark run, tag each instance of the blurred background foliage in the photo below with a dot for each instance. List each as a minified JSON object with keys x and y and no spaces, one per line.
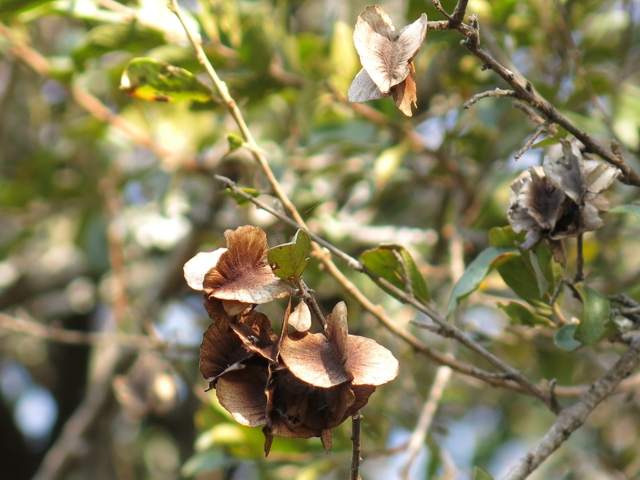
{"x":103,"y":197}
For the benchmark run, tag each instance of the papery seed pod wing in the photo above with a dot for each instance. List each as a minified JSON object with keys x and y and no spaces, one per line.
{"x":384,"y":56}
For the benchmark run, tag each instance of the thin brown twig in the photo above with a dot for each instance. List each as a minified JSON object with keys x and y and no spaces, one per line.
{"x":445,"y":329}
{"x":354,"y":471}
{"x":573,"y":417}
{"x":443,"y":374}
{"x":529,"y":112}
{"x":541,"y":128}
{"x":35,"y":329}
{"x":115,"y":241}
{"x":525,"y":91}
{"x":497,"y":93}
{"x":40,"y":65}
{"x":429,"y":310}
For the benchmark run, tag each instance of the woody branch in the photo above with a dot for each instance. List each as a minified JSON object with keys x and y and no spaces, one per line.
{"x":525,"y":91}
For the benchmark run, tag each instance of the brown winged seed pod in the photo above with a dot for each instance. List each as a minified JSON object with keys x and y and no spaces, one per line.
{"x":560,"y":199}
{"x":300,"y":386}
{"x":387,"y":59}
{"x":238,"y":275}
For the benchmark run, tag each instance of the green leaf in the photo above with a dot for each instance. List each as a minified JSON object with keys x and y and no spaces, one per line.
{"x":477,"y":271}
{"x":521,"y":315}
{"x":235,"y":142}
{"x":595,"y":310}
{"x":160,"y":82}
{"x":242,"y":201}
{"x":388,"y":163}
{"x":632,"y":208}
{"x":521,"y":275}
{"x":14,"y":6}
{"x":549,"y":141}
{"x":289,"y":260}
{"x":207,"y":461}
{"x":481,"y":474}
{"x":564,"y":338}
{"x":395,"y":264}
{"x":418,"y":283}
{"x":131,"y":37}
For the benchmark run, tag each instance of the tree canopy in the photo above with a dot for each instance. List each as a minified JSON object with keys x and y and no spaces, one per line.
{"x":446,"y":193}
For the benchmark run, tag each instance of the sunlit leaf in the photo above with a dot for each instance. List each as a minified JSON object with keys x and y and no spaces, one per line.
{"x":595,"y":310}
{"x":564,"y":338}
{"x":235,"y":142}
{"x":224,"y":433}
{"x":289,"y":260}
{"x":477,"y":271}
{"x":343,"y":56}
{"x":160,"y":82}
{"x":395,"y":264}
{"x":388,"y":163}
{"x":208,"y":461}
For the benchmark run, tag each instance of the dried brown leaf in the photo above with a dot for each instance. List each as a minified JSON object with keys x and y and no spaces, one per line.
{"x":405,"y":93}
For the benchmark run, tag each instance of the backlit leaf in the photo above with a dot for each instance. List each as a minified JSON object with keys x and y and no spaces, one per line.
{"x":395,"y":264}
{"x":289,"y":260}
{"x":595,"y":310}
{"x":477,"y":271}
{"x":235,"y":142}
{"x":160,"y":82}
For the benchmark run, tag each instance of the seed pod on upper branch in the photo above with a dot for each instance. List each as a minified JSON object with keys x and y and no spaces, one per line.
{"x":561,"y":199}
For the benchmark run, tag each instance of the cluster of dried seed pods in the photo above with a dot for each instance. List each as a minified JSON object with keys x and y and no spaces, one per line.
{"x":297,"y":384}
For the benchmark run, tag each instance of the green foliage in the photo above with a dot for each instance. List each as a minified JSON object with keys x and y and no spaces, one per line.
{"x":101,"y":194}
{"x":595,"y":310}
{"x":522,"y":315}
{"x":565,"y":339}
{"x":477,"y":270}
{"x":395,"y":264}
{"x":149,"y":79}
{"x":534,"y":275}
{"x":289,"y":260}
{"x":242,"y":201}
